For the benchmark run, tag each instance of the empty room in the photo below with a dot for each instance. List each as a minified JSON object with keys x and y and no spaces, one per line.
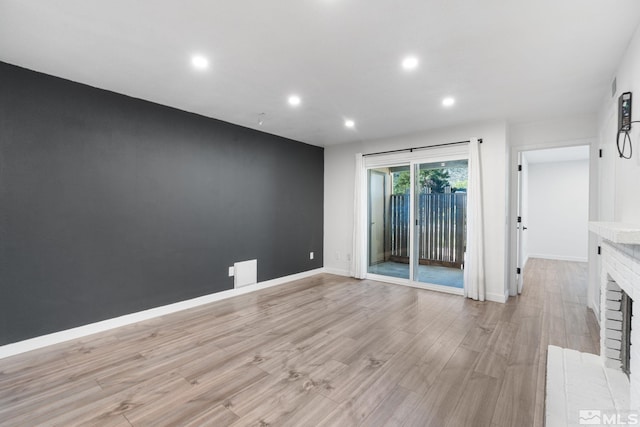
{"x":319,"y":213}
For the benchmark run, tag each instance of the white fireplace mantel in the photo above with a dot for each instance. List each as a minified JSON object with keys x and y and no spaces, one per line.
{"x":617,"y":232}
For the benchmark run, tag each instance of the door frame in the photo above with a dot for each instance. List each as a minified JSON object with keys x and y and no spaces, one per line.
{"x":511,"y":277}
{"x":519,"y":226}
{"x":411,"y":159}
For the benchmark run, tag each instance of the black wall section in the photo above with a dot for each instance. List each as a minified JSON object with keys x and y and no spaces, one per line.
{"x":110,"y":205}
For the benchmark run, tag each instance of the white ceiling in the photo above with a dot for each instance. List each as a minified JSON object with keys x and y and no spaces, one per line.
{"x":551,"y":155}
{"x":501,"y":59}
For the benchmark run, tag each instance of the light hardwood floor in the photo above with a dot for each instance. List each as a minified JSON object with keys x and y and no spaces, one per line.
{"x":327,"y":350}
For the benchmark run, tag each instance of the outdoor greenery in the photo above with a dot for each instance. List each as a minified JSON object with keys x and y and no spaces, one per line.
{"x":434,"y":179}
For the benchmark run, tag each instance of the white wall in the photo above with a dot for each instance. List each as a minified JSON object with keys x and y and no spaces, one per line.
{"x":339,"y":184}
{"x":559,"y":131}
{"x":620,"y":178}
{"x":558,"y":210}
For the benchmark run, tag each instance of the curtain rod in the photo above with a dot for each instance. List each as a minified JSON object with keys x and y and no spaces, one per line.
{"x":419,"y":148}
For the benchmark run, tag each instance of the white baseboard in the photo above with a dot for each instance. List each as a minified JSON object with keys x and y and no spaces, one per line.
{"x":558,"y":257}
{"x":501,"y":298}
{"x":337,"y":271}
{"x":92,"y":328}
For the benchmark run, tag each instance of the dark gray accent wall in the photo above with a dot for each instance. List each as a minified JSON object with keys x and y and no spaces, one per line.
{"x":111,"y":205}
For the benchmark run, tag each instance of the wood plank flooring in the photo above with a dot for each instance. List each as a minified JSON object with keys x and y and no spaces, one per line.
{"x":323,"y":351}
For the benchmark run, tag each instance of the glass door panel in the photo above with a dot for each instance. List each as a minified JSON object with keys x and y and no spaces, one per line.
{"x":440,"y":222}
{"x":388,"y":216}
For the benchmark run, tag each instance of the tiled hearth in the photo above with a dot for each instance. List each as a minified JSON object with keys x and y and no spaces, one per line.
{"x":581,"y":385}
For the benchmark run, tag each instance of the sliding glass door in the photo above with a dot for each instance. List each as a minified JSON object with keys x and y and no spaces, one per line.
{"x":416,"y":220}
{"x":440,"y":222}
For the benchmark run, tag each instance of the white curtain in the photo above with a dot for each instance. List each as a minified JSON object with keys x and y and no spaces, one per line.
{"x":474,"y":284}
{"x":359,"y":218}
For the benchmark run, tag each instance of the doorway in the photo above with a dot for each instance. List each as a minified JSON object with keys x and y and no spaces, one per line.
{"x":553,"y":206}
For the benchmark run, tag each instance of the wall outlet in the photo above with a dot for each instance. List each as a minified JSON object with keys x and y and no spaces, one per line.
{"x":232,"y":271}
{"x":310,"y":255}
{"x":348,"y":257}
{"x":337,"y":256}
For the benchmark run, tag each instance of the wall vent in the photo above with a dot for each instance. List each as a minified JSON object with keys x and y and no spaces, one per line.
{"x":246,"y":273}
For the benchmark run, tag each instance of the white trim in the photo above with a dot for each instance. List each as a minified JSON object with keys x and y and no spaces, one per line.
{"x":284,"y":279}
{"x":337,"y":271}
{"x":360,"y":214}
{"x":523,"y":165}
{"x":501,"y":298}
{"x":514,"y":152}
{"x":558,"y":257}
{"x":127,"y":319}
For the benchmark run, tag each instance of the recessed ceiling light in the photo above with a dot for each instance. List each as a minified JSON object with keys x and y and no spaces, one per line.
{"x":448,"y":101}
{"x":349,"y":123}
{"x":410,"y":63}
{"x":199,"y":62}
{"x":294,"y":100}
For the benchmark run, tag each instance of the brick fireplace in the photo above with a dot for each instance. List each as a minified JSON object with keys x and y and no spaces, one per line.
{"x":583,"y":386}
{"x":620,"y":276}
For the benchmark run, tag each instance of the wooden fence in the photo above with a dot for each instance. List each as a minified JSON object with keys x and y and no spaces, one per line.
{"x":441,"y":223}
